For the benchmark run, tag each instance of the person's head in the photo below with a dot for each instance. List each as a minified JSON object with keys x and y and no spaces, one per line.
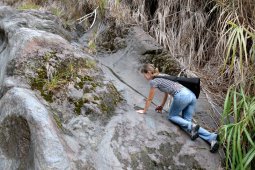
{"x":149,"y":71}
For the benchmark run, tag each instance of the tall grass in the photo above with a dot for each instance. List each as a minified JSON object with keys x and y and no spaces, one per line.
{"x":179,"y":26}
{"x":239,"y":52}
{"x":236,"y":37}
{"x":239,"y":130}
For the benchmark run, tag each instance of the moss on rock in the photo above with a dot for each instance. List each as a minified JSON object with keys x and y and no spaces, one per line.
{"x":69,"y":83}
{"x":110,"y":100}
{"x":59,"y":73}
{"x":57,"y":120}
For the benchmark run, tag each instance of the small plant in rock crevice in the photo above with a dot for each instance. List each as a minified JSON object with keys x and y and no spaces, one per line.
{"x":50,"y":79}
{"x":53,"y":77}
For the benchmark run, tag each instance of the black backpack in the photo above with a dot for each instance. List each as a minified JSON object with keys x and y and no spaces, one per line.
{"x":193,"y":84}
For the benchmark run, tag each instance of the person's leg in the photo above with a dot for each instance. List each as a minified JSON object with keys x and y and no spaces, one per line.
{"x":203,"y":133}
{"x":187,"y":114}
{"x":206,"y":135}
{"x":178,"y":104}
{"x":211,"y":138}
{"x":188,"y":111}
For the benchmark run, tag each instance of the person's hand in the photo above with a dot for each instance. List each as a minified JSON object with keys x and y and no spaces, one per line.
{"x":159,"y":109}
{"x":140,"y":111}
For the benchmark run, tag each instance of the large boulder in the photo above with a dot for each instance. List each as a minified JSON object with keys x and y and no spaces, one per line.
{"x":29,"y":137}
{"x":46,"y":81}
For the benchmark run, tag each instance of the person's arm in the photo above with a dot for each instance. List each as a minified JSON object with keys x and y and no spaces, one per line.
{"x":164,"y":100}
{"x":148,"y":101}
{"x":160,"y":107}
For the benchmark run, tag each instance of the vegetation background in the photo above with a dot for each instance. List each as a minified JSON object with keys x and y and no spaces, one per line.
{"x":214,"y":39}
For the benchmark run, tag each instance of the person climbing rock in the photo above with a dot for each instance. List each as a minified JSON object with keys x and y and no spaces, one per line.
{"x":183,"y":101}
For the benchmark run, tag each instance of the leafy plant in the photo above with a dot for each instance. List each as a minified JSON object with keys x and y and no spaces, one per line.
{"x":237,"y":56}
{"x":238,"y":129}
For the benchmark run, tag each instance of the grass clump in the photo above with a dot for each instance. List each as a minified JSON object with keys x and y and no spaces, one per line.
{"x":57,"y":11}
{"x":28,"y":6}
{"x":238,"y":129}
{"x":78,"y":105}
{"x":50,"y":79}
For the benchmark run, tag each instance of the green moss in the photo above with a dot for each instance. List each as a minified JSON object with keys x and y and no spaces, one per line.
{"x":90,"y":63}
{"x":80,"y":84}
{"x":94,"y":85}
{"x":105,"y":108}
{"x":110,"y":100}
{"x":39,"y":82}
{"x":84,"y":80}
{"x":57,"y":120}
{"x":47,"y":56}
{"x":116,"y":95}
{"x":65,"y":71}
{"x":78,"y":105}
{"x":96,"y":98}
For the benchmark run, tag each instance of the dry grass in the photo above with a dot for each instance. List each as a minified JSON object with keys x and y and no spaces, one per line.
{"x":200,"y":36}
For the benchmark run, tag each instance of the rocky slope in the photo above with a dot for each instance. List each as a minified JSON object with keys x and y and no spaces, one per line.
{"x":62,"y":109}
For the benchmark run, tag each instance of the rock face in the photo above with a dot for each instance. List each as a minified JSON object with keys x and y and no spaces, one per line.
{"x":147,"y":141}
{"x":46,"y":81}
{"x":29,"y":139}
{"x":59,"y":108}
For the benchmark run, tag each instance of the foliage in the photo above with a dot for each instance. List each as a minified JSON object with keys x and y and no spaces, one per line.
{"x":57,"y":11}
{"x":92,"y":43}
{"x":50,"y":80}
{"x":238,"y":131}
{"x":240,"y":55}
{"x":28,"y":6}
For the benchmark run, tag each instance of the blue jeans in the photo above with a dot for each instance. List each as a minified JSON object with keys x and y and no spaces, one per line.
{"x":185,"y":102}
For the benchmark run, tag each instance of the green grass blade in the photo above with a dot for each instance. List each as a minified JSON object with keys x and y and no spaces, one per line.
{"x":243,"y":42}
{"x":229,"y":44}
{"x":227,"y":106}
{"x":234,"y":148}
{"x":235,"y":105}
{"x":240,"y":34}
{"x":239,"y":149}
{"x":229,"y":135}
{"x":249,"y":157}
{"x":248,"y":137}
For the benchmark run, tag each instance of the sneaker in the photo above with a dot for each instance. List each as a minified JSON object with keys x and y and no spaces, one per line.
{"x":194,"y":132}
{"x":215,"y":145}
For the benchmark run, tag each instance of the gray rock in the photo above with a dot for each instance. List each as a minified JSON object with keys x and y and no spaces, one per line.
{"x":42,"y":148}
{"x":38,"y":134}
{"x":22,"y":33}
{"x":142,"y":43}
{"x":74,"y":93}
